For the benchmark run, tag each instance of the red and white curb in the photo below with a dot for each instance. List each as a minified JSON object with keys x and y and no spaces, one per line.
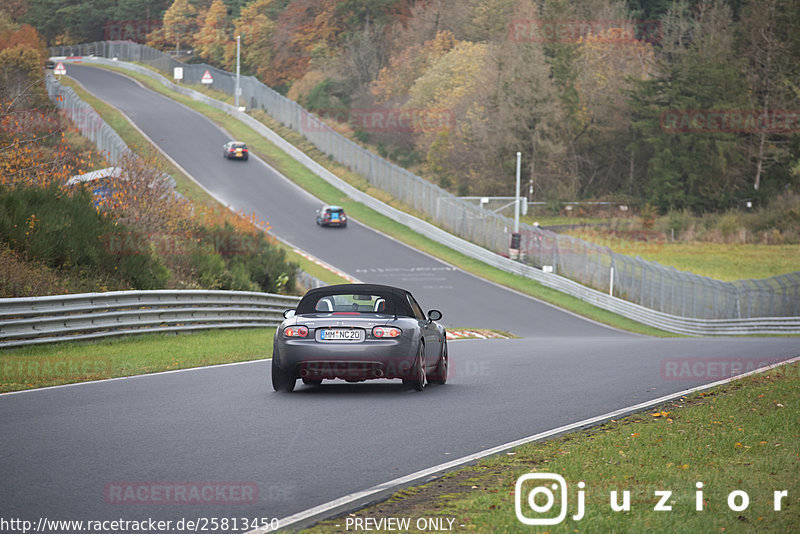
{"x":474,"y":333}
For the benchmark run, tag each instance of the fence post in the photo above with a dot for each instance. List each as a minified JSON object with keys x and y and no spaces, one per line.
{"x":611,"y":280}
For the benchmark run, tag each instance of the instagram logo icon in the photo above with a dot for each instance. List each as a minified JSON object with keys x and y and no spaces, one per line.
{"x":537,"y":504}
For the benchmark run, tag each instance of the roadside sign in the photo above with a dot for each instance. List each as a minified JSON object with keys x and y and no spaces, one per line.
{"x":207,"y":79}
{"x":177,"y":73}
{"x":59,"y":70}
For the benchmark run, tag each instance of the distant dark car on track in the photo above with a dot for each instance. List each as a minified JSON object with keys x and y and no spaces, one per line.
{"x":331,"y":216}
{"x":235,"y":150}
{"x":359,"y":332}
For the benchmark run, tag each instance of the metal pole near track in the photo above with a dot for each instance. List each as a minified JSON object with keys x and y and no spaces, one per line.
{"x":516,"y":203}
{"x":238,"y":87}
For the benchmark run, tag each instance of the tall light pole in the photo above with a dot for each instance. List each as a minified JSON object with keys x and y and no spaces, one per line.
{"x":516,"y":204}
{"x":238,"y":89}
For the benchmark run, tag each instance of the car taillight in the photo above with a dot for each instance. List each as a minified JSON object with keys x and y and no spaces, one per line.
{"x":295,"y":331}
{"x":386,"y":331}
{"x":244,"y":150}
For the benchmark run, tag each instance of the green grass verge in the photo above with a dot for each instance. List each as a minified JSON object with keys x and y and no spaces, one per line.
{"x":318,"y":187}
{"x":721,"y":261}
{"x":741,"y":436}
{"x":80,"y":361}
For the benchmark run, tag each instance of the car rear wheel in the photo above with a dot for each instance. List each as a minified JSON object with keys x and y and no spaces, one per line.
{"x":419,"y":375}
{"x":440,"y":375}
{"x":281,"y":380}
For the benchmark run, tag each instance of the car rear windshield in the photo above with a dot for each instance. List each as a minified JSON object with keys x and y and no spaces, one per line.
{"x":349,"y":303}
{"x":336,"y":210}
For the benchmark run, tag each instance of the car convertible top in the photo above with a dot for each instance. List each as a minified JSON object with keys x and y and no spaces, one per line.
{"x":396,"y":301}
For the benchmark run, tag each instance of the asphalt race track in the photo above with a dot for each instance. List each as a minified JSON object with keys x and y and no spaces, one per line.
{"x":65,"y":451}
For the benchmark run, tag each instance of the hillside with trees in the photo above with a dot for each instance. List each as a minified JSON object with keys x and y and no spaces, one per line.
{"x":586,"y":108}
{"x":134,"y":232}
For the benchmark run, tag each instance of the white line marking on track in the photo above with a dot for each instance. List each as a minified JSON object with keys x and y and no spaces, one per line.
{"x":318,"y":512}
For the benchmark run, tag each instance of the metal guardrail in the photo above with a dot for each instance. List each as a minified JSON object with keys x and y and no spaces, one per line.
{"x":658,"y":319}
{"x":88,"y":121}
{"x":31,"y":320}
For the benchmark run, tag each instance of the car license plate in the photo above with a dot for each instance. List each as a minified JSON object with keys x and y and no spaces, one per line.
{"x":341,"y":334}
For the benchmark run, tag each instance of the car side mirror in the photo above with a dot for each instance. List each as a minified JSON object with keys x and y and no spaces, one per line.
{"x":434,"y":315}
{"x":288,"y":314}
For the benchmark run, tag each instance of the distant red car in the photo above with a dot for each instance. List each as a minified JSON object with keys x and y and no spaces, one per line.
{"x":235,"y":150}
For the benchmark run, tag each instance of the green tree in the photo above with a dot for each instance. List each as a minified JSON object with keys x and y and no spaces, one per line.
{"x":770,"y":43}
{"x":698,"y":69}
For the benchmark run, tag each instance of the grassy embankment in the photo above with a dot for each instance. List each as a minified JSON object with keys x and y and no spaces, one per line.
{"x":68,"y":362}
{"x":741,"y":436}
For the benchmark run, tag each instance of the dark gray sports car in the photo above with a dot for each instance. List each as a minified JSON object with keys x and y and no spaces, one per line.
{"x":359,"y":332}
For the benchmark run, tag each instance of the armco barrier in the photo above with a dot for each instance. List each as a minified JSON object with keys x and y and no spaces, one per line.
{"x":31,"y":320}
{"x":665,"y":321}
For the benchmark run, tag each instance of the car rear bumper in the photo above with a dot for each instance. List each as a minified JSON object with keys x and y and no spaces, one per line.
{"x":348,"y":361}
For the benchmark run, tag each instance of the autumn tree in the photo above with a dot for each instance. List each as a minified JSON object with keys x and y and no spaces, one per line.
{"x":303,"y":26}
{"x":395,"y":80}
{"x":439,"y":93}
{"x":25,"y":122}
{"x":213,"y":34}
{"x":607,"y":64}
{"x":180,"y":23}
{"x":256,"y":29}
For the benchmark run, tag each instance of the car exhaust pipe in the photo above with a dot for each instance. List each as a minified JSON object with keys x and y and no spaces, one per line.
{"x":379,"y":373}
{"x":304,"y":373}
